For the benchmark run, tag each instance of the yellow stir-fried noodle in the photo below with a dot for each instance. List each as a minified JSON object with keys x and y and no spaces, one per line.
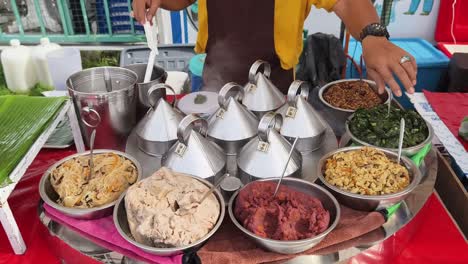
{"x":366,"y":171}
{"x":77,"y":188}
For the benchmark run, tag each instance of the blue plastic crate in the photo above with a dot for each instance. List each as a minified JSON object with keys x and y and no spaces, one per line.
{"x":432,"y":64}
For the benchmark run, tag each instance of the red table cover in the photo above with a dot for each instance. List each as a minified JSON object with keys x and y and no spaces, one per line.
{"x":451,"y":109}
{"x":430,"y":238}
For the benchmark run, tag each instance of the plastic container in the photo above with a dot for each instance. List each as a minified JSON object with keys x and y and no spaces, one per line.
{"x":173,"y":57}
{"x":18,"y":68}
{"x":196,"y":64}
{"x":432,"y":64}
{"x":62,"y":63}
{"x":39,"y":60}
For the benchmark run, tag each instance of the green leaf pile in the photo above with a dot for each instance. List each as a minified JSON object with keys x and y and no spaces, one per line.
{"x":22,"y":119}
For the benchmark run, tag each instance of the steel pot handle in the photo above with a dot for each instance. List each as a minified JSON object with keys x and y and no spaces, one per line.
{"x":254,"y":69}
{"x":225,"y":91}
{"x":186,"y":126}
{"x":294,"y":89}
{"x":94,"y":121}
{"x":157,"y":87}
{"x":270,"y":120}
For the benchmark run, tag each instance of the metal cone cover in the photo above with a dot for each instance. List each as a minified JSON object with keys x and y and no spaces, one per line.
{"x":263,"y":96}
{"x":233,"y":124}
{"x":271,"y":162}
{"x":201,"y":157}
{"x":160,"y":124}
{"x":306,"y":122}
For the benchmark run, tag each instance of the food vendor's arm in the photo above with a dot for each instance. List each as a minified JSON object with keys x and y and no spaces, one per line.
{"x":148,"y":8}
{"x":383,"y":58}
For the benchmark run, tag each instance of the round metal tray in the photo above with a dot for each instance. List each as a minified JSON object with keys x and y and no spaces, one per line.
{"x":408,"y":209}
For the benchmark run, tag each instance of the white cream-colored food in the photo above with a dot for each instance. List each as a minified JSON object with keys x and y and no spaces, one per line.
{"x":162,"y":210}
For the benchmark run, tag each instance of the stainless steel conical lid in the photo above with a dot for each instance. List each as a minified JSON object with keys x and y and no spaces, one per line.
{"x":261,"y":95}
{"x":157,"y":131}
{"x":301,"y":120}
{"x":232,"y":125}
{"x":266,"y":155}
{"x":193,"y":153}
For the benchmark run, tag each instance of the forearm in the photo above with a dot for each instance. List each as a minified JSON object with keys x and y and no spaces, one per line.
{"x":356,"y":14}
{"x":175,"y":5}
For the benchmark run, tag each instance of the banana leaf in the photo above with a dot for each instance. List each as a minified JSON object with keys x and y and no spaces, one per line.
{"x":22,"y":119}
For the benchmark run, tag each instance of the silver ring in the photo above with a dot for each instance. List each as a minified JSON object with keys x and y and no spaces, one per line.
{"x":405,"y":59}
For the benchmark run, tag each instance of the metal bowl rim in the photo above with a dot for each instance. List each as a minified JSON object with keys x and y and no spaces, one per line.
{"x":415,"y":148}
{"x":287,"y":242}
{"x":328,"y":85}
{"x":408,"y":162}
{"x":81,"y":211}
{"x":74,"y":75}
{"x":147,"y":248}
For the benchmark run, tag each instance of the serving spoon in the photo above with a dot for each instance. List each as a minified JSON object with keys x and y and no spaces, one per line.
{"x":207,"y":193}
{"x":400,"y":140}
{"x":286,"y":166}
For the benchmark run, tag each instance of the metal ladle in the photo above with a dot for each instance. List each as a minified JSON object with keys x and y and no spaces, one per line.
{"x":286,"y":166}
{"x":95,"y":123}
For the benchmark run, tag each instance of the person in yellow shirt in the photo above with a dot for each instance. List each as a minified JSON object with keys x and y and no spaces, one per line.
{"x":234,"y":34}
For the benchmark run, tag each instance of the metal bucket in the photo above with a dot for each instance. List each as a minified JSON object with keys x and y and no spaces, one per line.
{"x":110,"y":91}
{"x":159,"y":75}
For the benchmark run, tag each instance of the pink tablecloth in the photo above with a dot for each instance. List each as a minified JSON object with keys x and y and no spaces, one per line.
{"x":103,"y":232}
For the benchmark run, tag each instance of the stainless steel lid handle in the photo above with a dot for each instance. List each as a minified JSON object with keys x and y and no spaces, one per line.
{"x":156,"y":87}
{"x":94,"y":119}
{"x":186,"y":126}
{"x":270,"y":120}
{"x":228,"y":91}
{"x":255,"y":68}
{"x":295,"y":87}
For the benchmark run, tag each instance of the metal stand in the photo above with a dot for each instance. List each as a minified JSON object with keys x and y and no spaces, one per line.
{"x":6,"y":216}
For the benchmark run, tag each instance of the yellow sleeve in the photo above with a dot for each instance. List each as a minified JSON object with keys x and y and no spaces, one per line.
{"x":325,"y":4}
{"x":202,"y":36}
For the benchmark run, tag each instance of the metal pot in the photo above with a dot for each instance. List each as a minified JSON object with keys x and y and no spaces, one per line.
{"x":193,"y":153}
{"x":50,"y":196}
{"x":265,"y":156}
{"x":232,"y":125}
{"x":340,"y":115}
{"x":110,"y":91}
{"x":261,"y":95}
{"x":301,"y":120}
{"x":122,"y":226}
{"x":157,"y":131}
{"x":370,"y":202}
{"x":293,"y":246}
{"x":159,"y":75}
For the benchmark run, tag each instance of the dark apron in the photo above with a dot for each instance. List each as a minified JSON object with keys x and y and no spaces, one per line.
{"x":239,"y":33}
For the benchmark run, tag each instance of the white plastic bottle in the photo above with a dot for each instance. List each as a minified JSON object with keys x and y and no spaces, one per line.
{"x":39,"y":60}
{"x":17,"y":67}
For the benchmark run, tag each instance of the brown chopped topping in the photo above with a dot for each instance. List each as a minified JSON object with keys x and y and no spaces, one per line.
{"x":352,"y":95}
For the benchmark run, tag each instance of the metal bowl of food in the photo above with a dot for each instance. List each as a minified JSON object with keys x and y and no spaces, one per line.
{"x":51,"y":197}
{"x":407,"y":151}
{"x":340,"y":114}
{"x":369,"y":202}
{"x":292,"y":246}
{"x":123,"y":227}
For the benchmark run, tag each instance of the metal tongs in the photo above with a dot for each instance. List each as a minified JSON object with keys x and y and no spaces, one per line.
{"x":94,"y":121}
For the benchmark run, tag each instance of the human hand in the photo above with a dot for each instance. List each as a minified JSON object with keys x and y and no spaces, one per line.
{"x":384,"y":60}
{"x":144,"y":10}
